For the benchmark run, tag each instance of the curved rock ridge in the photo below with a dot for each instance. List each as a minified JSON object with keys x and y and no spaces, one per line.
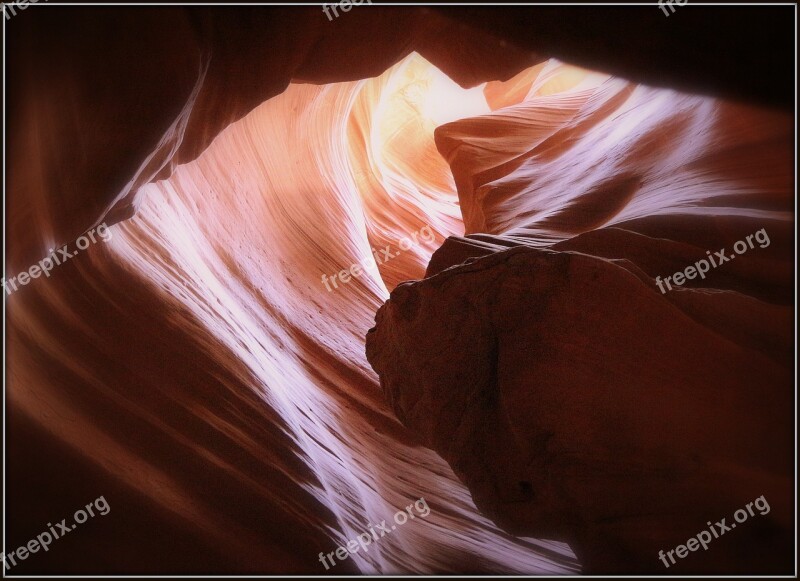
{"x":575,"y":399}
{"x":613,"y":152}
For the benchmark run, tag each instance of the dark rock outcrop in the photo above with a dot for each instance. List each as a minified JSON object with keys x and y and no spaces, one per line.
{"x":579,"y":403}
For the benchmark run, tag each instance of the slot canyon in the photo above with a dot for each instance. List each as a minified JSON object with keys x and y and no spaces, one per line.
{"x":531,"y":268}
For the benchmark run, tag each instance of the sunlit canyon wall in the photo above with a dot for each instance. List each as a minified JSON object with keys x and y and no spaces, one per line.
{"x":200,"y":372}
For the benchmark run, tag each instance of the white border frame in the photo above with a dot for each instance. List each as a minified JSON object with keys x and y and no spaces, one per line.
{"x":446,"y":4}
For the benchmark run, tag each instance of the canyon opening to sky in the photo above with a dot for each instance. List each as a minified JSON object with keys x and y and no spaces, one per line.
{"x":275,"y":280}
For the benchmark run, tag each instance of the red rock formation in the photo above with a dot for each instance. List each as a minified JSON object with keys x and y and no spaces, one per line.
{"x":195,"y":370}
{"x":575,"y":399}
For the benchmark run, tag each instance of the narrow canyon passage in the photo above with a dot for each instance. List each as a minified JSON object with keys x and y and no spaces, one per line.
{"x":314,"y":181}
{"x":228,"y":363}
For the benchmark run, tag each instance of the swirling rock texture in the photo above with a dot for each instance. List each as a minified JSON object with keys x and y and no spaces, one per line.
{"x":197,"y":372}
